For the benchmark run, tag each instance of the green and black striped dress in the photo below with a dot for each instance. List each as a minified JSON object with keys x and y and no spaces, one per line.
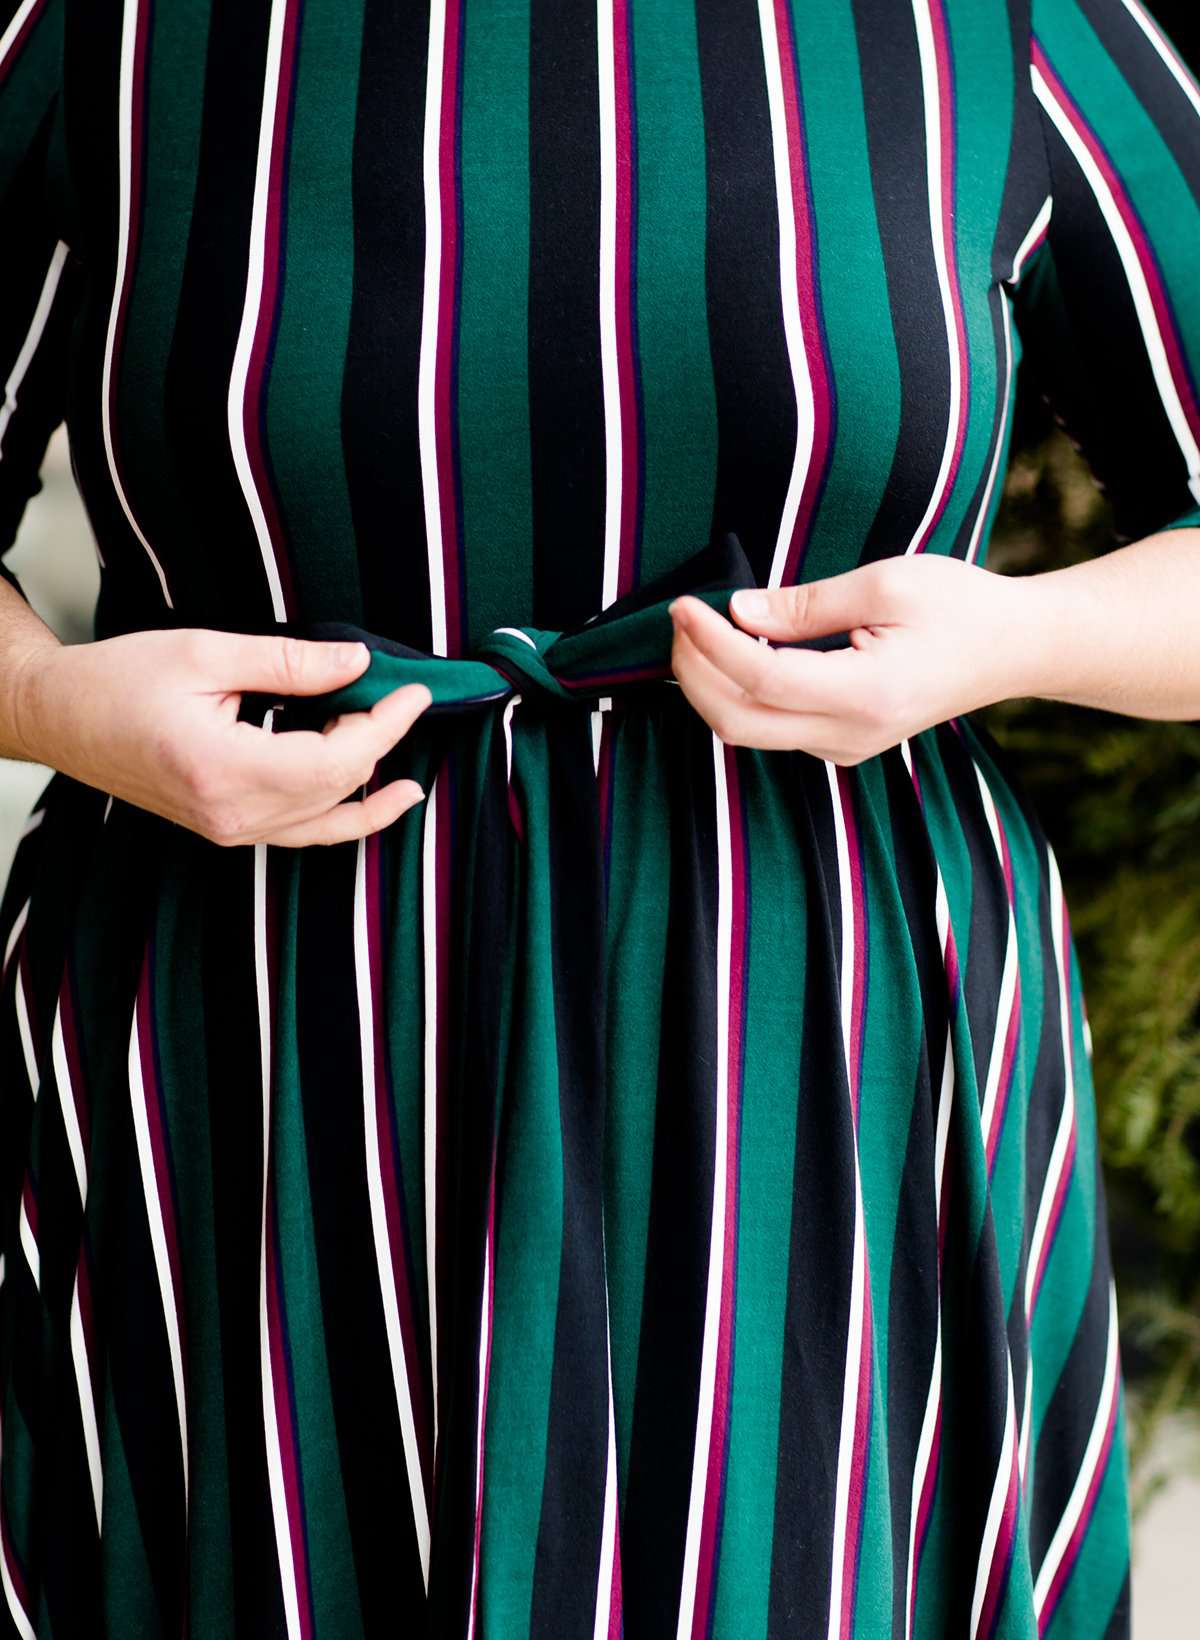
{"x":651,"y":1189}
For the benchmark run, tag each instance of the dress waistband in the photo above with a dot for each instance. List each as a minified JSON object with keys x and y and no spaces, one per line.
{"x":624,"y":648}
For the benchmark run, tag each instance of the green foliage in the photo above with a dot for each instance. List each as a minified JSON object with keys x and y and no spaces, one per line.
{"x":1120,"y":801}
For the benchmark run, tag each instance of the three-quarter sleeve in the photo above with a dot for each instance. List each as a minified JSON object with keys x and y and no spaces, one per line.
{"x":1108,"y":309}
{"x":38,"y":276}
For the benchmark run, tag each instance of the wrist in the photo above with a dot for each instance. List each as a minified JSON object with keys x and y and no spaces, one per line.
{"x":31,"y":716}
{"x":1041,"y":615}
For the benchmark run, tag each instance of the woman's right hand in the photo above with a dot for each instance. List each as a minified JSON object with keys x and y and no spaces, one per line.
{"x":152,"y":718}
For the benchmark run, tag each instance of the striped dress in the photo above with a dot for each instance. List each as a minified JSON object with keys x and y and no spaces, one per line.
{"x":651,"y":1189}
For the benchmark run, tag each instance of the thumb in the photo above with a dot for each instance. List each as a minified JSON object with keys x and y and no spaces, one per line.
{"x":286,"y":665}
{"x":811,"y":609}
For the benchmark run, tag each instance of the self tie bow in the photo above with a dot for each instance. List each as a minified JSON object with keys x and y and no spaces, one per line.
{"x":624,"y":648}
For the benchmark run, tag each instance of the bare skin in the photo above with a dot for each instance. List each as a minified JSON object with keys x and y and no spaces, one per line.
{"x":151,"y":717}
{"x":933,"y":638}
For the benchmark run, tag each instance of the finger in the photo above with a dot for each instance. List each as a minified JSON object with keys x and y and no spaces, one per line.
{"x":345,"y":822}
{"x":282,"y":665}
{"x":813,"y":609}
{"x":735,"y":718}
{"x":790,"y":679}
{"x":334,"y":760}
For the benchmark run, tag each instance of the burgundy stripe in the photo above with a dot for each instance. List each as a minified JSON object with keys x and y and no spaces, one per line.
{"x":445,"y":391}
{"x":1012,"y":1036}
{"x":1064,"y":1178}
{"x":489,"y":1305}
{"x":718,"y":1451}
{"x":628,"y":385}
{"x":946,"y":121}
{"x":70,"y":1035}
{"x":857,"y":1498}
{"x":137,"y":122}
{"x":395,"y":1207}
{"x":17,"y":45}
{"x":859,"y":912}
{"x":929,"y":1481}
{"x":614,"y":675}
{"x":254,"y":405}
{"x":1071,"y":1553}
{"x":616,"y":1618}
{"x":812,"y":325}
{"x":856,"y":1492}
{"x":286,"y":1423}
{"x":443,"y":1170}
{"x":159,"y":1144}
{"x":925,"y":1506}
{"x":1002,"y":1555}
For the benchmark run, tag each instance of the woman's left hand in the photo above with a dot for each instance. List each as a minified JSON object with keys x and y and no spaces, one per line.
{"x":930,"y":638}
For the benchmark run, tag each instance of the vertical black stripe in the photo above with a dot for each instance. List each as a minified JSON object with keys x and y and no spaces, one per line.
{"x":235,"y":1121}
{"x":379,"y":394}
{"x":1071,"y":1410}
{"x":895,"y":115}
{"x":666,"y":1397}
{"x":572,"y":1516}
{"x":821,"y":1257}
{"x":913,"y":1294}
{"x":371,"y":1452}
{"x":219,"y":541}
{"x":755,"y":393}
{"x":566,"y":406}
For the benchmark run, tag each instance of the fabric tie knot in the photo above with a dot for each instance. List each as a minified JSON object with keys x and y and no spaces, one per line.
{"x":623,"y":649}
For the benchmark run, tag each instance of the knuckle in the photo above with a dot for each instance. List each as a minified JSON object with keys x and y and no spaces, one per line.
{"x":800,"y":599}
{"x":224,"y":823}
{"x":340,"y":773}
{"x":293,"y":663}
{"x":892,"y":580}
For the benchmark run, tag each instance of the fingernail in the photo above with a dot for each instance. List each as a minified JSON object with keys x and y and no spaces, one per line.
{"x":346,"y":654}
{"x":750,"y":606}
{"x":678,"y":613}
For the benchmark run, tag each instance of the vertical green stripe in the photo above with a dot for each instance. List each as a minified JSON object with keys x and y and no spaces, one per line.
{"x":1094,"y":1584}
{"x":180,"y":1035}
{"x":678,"y":394}
{"x":493,"y":337}
{"x":130,"y":1600}
{"x":304,"y":391}
{"x":1147,"y":167}
{"x":893,"y":1034}
{"x":777,"y":964}
{"x":174,"y":94}
{"x":528,"y":1236}
{"x":638,"y":913}
{"x":982,"y":75}
{"x":335,"y":1592}
{"x":33,"y":77}
{"x":857,"y":309}
{"x":1009,"y":1174}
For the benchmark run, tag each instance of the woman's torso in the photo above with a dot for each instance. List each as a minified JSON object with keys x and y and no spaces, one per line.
{"x":442,"y":319}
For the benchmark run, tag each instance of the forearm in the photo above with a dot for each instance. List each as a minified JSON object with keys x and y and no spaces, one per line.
{"x":1120,"y":632}
{"x":23,"y":635}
